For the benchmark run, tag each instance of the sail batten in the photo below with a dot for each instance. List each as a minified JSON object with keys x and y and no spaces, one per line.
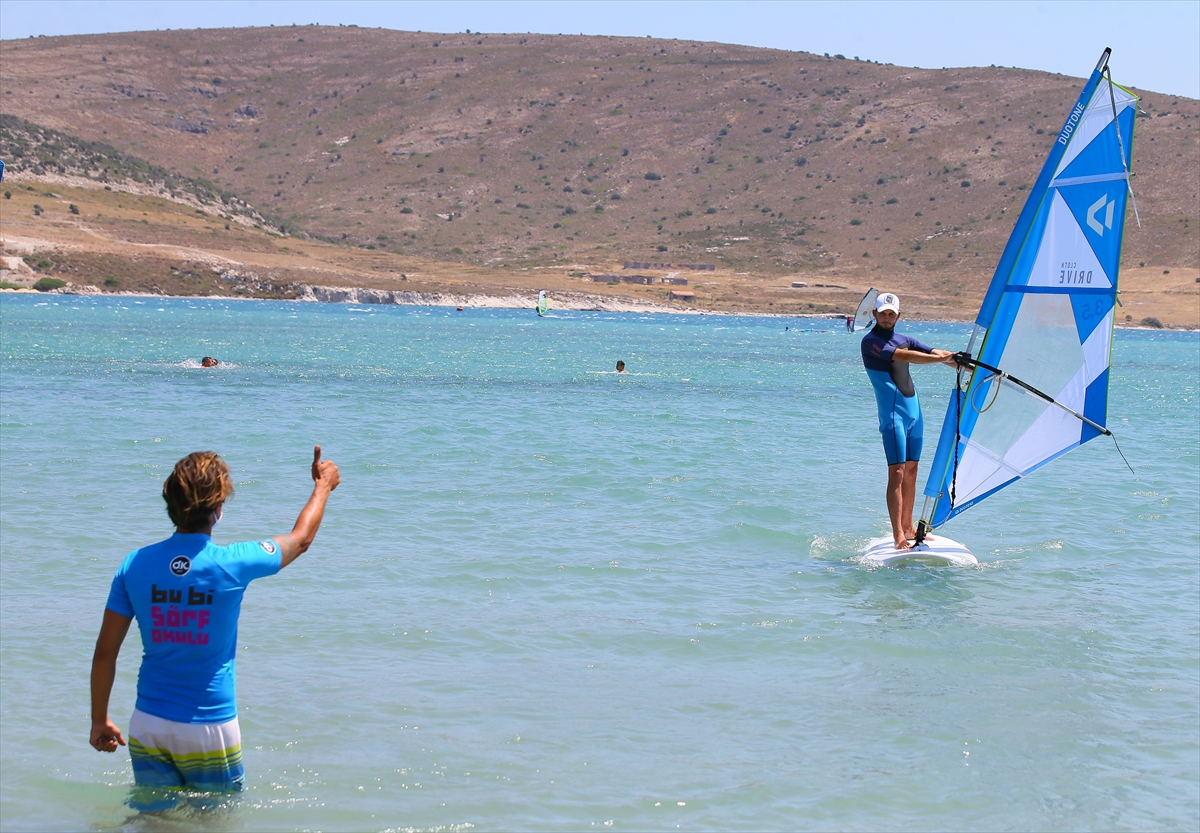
{"x":1047,"y":317}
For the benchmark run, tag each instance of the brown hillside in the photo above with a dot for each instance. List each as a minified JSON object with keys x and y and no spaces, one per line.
{"x":508,"y":151}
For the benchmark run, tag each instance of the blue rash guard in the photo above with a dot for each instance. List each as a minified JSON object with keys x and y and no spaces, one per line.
{"x":186,"y":594}
{"x":900,"y":420}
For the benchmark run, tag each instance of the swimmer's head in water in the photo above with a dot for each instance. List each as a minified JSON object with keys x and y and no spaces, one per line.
{"x":208,"y":361}
{"x":620,"y":366}
{"x":196,"y":489}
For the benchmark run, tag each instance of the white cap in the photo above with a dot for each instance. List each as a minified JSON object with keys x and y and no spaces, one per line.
{"x":887,"y":300}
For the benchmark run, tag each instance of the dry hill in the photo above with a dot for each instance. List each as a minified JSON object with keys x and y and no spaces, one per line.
{"x":575,"y":154}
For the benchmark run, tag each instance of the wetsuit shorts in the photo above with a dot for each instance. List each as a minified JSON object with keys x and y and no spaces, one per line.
{"x":903,"y":435}
{"x":200,"y":756}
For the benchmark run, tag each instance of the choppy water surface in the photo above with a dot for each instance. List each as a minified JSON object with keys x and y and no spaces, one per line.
{"x":548,"y":597}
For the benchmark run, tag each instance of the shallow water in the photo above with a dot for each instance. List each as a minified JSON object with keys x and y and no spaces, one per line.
{"x":549,"y":597}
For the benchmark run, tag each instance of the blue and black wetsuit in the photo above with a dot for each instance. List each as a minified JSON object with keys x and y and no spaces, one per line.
{"x":900,"y":420}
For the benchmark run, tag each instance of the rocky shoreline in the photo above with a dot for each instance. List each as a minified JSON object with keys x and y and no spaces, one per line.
{"x":574,"y":301}
{"x":560,"y":300}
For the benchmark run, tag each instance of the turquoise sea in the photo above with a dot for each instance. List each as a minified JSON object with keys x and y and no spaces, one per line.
{"x":547,"y":597}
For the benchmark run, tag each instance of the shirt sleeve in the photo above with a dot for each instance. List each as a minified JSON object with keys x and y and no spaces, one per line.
{"x":913,"y":344}
{"x":118,"y":595}
{"x":254,"y":559}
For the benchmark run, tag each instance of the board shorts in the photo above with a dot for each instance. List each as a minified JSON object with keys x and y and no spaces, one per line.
{"x":200,"y":756}
{"x":903,"y":437}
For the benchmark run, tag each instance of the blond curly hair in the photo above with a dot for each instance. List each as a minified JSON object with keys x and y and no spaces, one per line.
{"x":196,"y":488}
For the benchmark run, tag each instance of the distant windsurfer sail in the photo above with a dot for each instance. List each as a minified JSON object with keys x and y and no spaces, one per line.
{"x":1038,"y":385}
{"x":862,"y":316}
{"x":542,"y":304}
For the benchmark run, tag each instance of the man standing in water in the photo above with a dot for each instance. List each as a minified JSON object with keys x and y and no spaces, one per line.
{"x":886,"y":355}
{"x":186,"y":594}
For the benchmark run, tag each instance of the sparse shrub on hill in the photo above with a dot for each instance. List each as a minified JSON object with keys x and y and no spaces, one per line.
{"x":46,"y":284}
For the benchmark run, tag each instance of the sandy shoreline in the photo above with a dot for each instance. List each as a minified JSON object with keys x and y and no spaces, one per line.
{"x":560,"y":300}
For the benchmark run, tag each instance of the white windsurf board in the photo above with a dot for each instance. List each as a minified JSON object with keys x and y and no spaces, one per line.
{"x":940,"y":552}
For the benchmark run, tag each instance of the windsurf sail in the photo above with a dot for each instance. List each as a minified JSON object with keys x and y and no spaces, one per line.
{"x":542,"y":303}
{"x":863,"y":319}
{"x":1038,"y":386}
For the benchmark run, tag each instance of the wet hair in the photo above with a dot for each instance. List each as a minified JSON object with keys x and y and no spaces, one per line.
{"x":196,"y":488}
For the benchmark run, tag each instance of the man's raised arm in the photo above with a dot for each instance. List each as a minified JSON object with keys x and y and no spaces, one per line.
{"x":325,"y":480}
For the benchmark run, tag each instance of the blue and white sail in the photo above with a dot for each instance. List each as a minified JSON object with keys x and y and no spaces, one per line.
{"x":1038,"y":386}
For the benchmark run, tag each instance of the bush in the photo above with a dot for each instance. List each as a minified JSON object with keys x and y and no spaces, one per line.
{"x":405,"y":210}
{"x":74,"y":208}
{"x":1146,"y":322}
{"x":112,"y":282}
{"x":891,"y":201}
{"x":46,"y":284}
{"x":662,"y":248}
{"x":44,"y":263}
{"x":801,"y":161}
{"x":653,"y":177}
{"x":856,"y":222}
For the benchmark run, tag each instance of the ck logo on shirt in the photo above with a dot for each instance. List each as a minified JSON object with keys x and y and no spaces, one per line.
{"x":180,"y":565}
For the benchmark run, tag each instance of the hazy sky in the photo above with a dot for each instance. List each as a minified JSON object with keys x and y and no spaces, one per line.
{"x":1156,"y":43}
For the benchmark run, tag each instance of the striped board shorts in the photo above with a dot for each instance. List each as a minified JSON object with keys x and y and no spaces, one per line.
{"x":201,"y":756}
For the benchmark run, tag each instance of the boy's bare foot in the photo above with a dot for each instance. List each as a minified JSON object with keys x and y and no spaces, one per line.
{"x":902,"y":544}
